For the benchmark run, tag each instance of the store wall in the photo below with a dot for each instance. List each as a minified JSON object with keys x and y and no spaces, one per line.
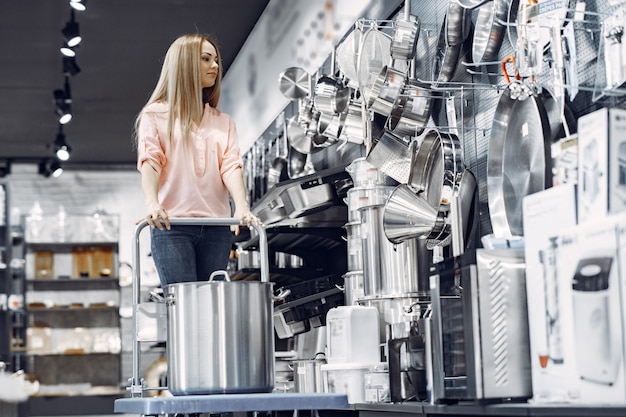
{"x":80,"y":192}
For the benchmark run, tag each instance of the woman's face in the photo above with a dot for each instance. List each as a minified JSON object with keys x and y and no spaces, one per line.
{"x":209,"y":65}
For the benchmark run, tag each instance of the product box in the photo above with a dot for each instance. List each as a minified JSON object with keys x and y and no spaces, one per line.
{"x":601,"y":163}
{"x":577,"y":347}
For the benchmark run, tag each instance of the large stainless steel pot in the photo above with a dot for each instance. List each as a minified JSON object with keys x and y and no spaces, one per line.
{"x":220,"y":337}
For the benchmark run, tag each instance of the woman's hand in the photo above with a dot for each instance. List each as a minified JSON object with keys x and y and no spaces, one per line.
{"x":157,"y":217}
{"x":246,"y":218}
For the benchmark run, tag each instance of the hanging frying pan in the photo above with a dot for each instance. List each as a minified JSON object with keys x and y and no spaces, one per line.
{"x":517,"y":155}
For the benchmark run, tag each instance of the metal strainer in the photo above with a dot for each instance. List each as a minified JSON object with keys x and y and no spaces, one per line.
{"x":393,"y":155}
{"x":374,"y":54}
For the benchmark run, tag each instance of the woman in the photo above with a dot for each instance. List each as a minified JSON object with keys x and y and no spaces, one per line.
{"x":190,"y":163}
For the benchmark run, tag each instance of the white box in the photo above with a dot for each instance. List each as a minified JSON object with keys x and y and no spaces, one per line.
{"x":546,"y":214}
{"x":601,"y":163}
{"x":581,"y":359}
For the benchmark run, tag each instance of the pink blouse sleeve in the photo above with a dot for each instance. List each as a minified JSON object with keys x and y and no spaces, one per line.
{"x":232,"y":155}
{"x":149,"y":146}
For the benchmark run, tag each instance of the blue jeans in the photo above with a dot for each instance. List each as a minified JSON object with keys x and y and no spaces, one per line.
{"x":189,"y":253}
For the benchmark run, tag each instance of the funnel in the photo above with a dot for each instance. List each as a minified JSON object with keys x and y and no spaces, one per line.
{"x":407,"y":215}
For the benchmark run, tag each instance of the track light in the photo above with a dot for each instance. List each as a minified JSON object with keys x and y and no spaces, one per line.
{"x":49,"y":168}
{"x":67,"y":50}
{"x":79,"y":5}
{"x":62,"y":103}
{"x":71,"y":33}
{"x":61,"y":149}
{"x":56,"y":169}
{"x":70,"y":67}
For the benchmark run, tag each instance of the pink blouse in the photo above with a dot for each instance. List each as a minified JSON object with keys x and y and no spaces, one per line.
{"x":191,"y":178}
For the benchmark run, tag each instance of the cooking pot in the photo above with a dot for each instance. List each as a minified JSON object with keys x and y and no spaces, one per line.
{"x":331,"y":95}
{"x":386,"y":90}
{"x":294,"y":83}
{"x":220,"y":336}
{"x":353,"y":130}
{"x":307,"y":375}
{"x":411,"y":114}
{"x":405,"y":36}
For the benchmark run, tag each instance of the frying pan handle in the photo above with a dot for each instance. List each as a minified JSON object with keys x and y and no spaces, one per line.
{"x":506,"y":60}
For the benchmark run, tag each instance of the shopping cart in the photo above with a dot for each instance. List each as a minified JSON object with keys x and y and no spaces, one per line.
{"x":137,"y":403}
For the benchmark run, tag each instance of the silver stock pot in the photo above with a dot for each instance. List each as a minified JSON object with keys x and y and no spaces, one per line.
{"x":220,"y":337}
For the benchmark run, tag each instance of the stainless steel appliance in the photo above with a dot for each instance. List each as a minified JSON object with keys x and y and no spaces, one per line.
{"x":477,"y":346}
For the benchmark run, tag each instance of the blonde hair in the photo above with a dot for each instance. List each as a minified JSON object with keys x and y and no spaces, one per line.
{"x":180,"y":85}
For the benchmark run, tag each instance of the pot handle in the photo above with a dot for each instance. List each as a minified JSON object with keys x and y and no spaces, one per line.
{"x":282,"y":294}
{"x":219,"y":272}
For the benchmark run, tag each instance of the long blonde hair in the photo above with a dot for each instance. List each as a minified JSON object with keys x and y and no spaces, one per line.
{"x":180,"y":85}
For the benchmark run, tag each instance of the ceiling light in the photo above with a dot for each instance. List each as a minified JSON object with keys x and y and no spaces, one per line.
{"x":70,"y":67}
{"x":71,"y":33}
{"x":79,"y":5}
{"x":61,"y":149}
{"x":67,"y":50}
{"x":56,"y":169}
{"x":63,"y":108}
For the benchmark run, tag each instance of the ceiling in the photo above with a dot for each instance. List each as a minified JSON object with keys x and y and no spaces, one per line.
{"x":120,"y":58}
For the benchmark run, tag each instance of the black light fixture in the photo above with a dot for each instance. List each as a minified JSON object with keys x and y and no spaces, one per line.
{"x":50,"y":168}
{"x":70,"y":67}
{"x":80,"y":5}
{"x":62,"y":103}
{"x":62,"y":150}
{"x":70,"y":32}
{"x":56,"y":169}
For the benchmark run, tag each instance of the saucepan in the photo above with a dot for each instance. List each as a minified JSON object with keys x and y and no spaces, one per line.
{"x":386,"y":90}
{"x":517,"y":155}
{"x":331,"y":95}
{"x":412,"y":111}
{"x":405,"y":35}
{"x":353,"y":130}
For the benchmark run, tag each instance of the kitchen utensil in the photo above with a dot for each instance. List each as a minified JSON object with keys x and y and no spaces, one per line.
{"x":407,"y":215}
{"x":405,"y":35}
{"x":220,"y":336}
{"x":294,"y":83}
{"x":374,"y":54}
{"x":348,"y":55}
{"x":411,"y":112}
{"x":297,"y":162}
{"x":446,"y":56}
{"x":353,"y":130}
{"x":300,"y":138}
{"x":516,"y":160}
{"x":331,"y":95}
{"x":385,"y":91}
{"x":437,"y":167}
{"x":364,"y":174}
{"x":393,"y":155}
{"x":489,"y":30}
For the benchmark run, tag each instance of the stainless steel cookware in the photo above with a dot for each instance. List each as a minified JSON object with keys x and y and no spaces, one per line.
{"x":220,"y":337}
{"x":405,"y":36}
{"x":387,"y":268}
{"x":353,"y":130}
{"x":412,"y":111}
{"x":374,"y":54}
{"x":330,"y":126}
{"x":353,"y":286}
{"x":454,"y":30}
{"x":331,"y":95}
{"x":516,"y":158}
{"x":364,"y":174}
{"x":386,"y":90}
{"x":307,"y":375}
{"x":437,"y":167}
{"x":407,"y":215}
{"x":489,"y":30}
{"x":393,"y":155}
{"x":294,"y":83}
